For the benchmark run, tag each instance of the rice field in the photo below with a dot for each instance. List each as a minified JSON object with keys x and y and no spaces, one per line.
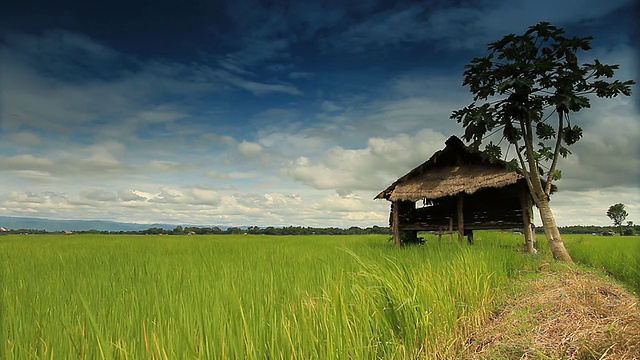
{"x":618,"y":256}
{"x":248,"y":296}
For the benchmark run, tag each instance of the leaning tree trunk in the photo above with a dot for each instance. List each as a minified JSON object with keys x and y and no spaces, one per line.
{"x":540,"y":196}
{"x":551,"y":231}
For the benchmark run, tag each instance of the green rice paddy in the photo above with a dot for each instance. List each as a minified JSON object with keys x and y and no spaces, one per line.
{"x":254,"y":297}
{"x":618,"y":256}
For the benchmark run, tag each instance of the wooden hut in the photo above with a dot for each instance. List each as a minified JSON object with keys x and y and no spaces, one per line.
{"x":459,"y":190}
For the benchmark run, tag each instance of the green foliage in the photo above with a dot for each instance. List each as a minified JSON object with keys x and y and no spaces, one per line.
{"x":492,"y":151}
{"x":617,"y":214}
{"x":524,"y":80}
{"x":545,"y":131}
{"x":247,"y":296}
{"x":257,"y":297}
{"x":270,"y":230}
{"x":619,"y":256}
{"x":571,"y":135}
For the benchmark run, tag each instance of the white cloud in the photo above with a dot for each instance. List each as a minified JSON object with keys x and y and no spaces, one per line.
{"x":330,"y":106}
{"x":32,"y":175}
{"x":391,"y":27}
{"x":233,"y":175}
{"x":214,"y":174}
{"x":201,"y":205}
{"x":126,"y":139}
{"x":172,"y":195}
{"x":160,"y":114}
{"x":294,"y":143}
{"x":255,"y":87}
{"x":511,"y":15}
{"x":99,"y":195}
{"x":371,"y":168}
{"x":475,"y":25}
{"x":162,"y":166}
{"x":131,"y":195}
{"x":249,"y":149}
{"x":234,"y":67}
{"x":607,"y":154}
{"x":262,"y":88}
{"x":24,"y":162}
{"x":301,"y":75}
{"x":26,"y":138}
{"x":319,"y":176}
{"x":466,"y":25}
{"x":203,"y":194}
{"x":589,"y":207}
{"x":47,"y":87}
{"x":60,"y":52}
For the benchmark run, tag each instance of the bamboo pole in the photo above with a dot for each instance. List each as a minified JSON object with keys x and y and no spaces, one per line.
{"x":395,"y":210}
{"x":460,"y":218}
{"x":527,"y":212}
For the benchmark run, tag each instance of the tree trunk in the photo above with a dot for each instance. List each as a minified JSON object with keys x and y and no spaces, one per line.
{"x":551,"y":231}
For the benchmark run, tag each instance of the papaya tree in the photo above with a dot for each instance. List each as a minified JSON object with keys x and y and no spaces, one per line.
{"x":528,"y":89}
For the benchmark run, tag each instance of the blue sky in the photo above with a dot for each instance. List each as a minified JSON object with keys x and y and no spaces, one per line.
{"x":273,"y":113}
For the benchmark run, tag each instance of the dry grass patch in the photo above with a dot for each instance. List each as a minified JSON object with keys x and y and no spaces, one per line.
{"x":566,"y":313}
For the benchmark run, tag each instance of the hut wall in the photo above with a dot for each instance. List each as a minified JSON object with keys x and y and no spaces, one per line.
{"x":485,"y":209}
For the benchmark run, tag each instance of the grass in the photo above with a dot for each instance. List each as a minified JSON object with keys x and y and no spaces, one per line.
{"x":619,"y":256}
{"x":252,"y":297}
{"x":569,"y":312}
{"x":566,"y":311}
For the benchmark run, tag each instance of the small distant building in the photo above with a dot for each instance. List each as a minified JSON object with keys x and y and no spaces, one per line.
{"x":459,"y":190}
{"x":68,"y":232}
{"x":3,"y":229}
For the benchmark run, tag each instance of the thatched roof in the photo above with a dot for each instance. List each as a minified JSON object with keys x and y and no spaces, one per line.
{"x":450,"y":171}
{"x":451,"y":180}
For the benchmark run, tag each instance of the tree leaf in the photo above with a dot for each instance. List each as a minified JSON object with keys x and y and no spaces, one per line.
{"x":523,"y":79}
{"x":492,"y":152}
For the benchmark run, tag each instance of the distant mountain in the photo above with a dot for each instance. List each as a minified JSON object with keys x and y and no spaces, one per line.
{"x":74,"y":225}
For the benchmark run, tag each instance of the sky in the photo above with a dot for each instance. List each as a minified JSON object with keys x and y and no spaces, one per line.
{"x":275,"y":113}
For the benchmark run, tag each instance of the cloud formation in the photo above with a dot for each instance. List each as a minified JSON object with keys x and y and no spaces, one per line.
{"x":278,"y":113}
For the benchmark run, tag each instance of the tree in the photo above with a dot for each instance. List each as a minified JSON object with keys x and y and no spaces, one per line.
{"x":520,"y":86}
{"x":617,"y":214}
{"x":178,"y":230}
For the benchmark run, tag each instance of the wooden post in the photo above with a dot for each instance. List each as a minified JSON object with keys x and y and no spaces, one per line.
{"x":395,"y":216}
{"x":440,"y":231}
{"x":450,"y":230}
{"x":470,"y":237}
{"x":460,"y":218}
{"x":527,"y":212}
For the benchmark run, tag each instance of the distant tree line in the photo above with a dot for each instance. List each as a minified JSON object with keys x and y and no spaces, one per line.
{"x":629,"y":229}
{"x":271,"y":230}
{"x":193,"y":230}
{"x":29,"y":231}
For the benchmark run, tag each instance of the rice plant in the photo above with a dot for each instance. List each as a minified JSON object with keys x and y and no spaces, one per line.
{"x":244,"y":296}
{"x":619,"y":256}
